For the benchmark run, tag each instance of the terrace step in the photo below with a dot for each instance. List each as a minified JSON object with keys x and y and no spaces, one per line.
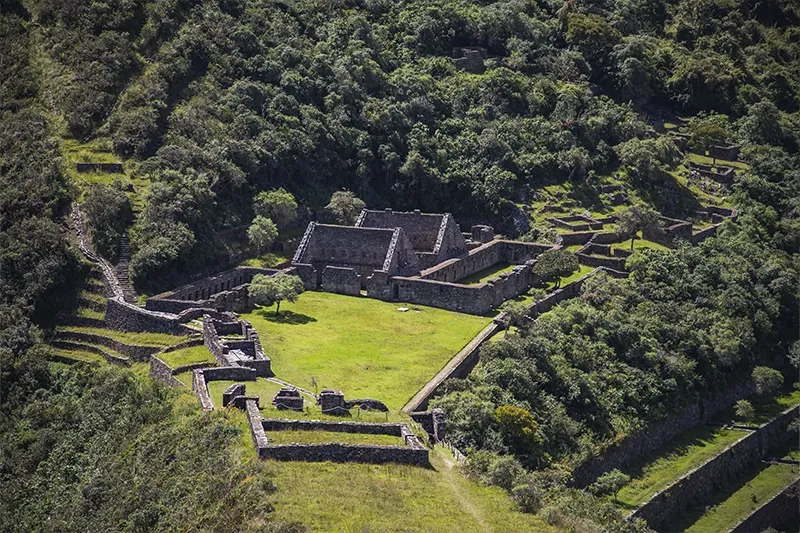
{"x":103,"y":352}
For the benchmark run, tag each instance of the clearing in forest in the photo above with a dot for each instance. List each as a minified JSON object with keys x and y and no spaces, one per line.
{"x":365,"y":347}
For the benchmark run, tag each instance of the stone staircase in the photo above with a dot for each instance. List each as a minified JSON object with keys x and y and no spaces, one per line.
{"x":121,"y":270}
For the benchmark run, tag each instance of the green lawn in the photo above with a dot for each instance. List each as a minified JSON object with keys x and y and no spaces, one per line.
{"x":268,"y":260}
{"x":678,"y":457}
{"x":770,"y":480}
{"x":365,"y":347}
{"x":266,"y":391}
{"x":392,"y":498}
{"x":187,"y":356}
{"x":482,"y":276}
{"x":638,"y":244}
{"x":129,"y":337}
{"x":312,"y":437}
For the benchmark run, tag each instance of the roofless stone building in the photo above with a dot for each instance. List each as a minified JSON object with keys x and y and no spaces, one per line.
{"x":413,"y":257}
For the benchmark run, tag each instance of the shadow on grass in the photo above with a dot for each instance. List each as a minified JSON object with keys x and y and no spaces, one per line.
{"x":285,"y":317}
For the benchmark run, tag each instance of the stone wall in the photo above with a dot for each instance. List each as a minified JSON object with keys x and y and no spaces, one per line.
{"x":122,"y":316}
{"x":136,"y":352}
{"x":341,"y":281}
{"x":472,"y":299}
{"x":161,"y":371}
{"x":204,"y":288}
{"x":673,"y":230}
{"x":113,"y":168}
{"x":200,"y":389}
{"x":470,"y":59}
{"x":578,"y":237}
{"x":346,"y":453}
{"x":483,"y":257}
{"x":434,"y":237}
{"x":729,"y":152}
{"x":280,"y":424}
{"x":635,"y":447}
{"x":701,"y":485}
{"x":781,"y":512}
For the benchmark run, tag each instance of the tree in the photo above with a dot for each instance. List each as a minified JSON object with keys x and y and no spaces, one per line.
{"x":707,"y":131}
{"x":267,"y":290}
{"x":610,"y":483}
{"x":261,"y":233}
{"x":110,"y":214}
{"x":767,"y":380}
{"x":278,"y":205}
{"x":637,"y":218}
{"x":744,"y":410}
{"x":644,"y":157}
{"x":518,"y":427}
{"x":553,"y":264}
{"x":515,"y":311}
{"x":345,"y":206}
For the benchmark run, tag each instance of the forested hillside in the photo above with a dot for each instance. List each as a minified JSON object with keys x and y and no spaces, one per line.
{"x":210,"y":102}
{"x":218,"y":100}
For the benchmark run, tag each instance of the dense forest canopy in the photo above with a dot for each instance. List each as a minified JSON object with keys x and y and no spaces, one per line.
{"x":221,"y":100}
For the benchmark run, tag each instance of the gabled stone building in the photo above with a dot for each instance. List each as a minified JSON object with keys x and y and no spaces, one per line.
{"x":343,"y":258}
{"x":435,"y":237}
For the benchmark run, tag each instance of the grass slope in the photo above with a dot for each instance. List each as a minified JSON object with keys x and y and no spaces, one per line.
{"x":482,"y":276}
{"x":129,"y":337}
{"x":362,"y":346}
{"x":392,"y":498}
{"x":186,"y":356}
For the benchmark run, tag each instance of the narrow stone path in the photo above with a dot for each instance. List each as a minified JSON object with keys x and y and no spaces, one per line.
{"x":121,"y":270}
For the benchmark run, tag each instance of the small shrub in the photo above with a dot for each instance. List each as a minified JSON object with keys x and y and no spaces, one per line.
{"x":744,"y":410}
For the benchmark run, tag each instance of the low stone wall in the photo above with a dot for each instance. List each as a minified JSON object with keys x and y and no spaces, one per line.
{"x":161,"y":371}
{"x":136,"y":352}
{"x":699,"y":486}
{"x":82,"y":322}
{"x":615,"y":263}
{"x":472,"y":299}
{"x":704,"y":234}
{"x":346,"y":453}
{"x":649,"y":440}
{"x":113,"y":168}
{"x":228,"y":373}
{"x":280,"y":424}
{"x":111,"y":358}
{"x":579,"y":237}
{"x":200,"y":389}
{"x":341,"y":281}
{"x":781,"y":512}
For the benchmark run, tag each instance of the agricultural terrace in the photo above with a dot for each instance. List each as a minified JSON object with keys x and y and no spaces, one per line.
{"x":682,"y":454}
{"x":365,"y":347}
{"x":737,"y":502}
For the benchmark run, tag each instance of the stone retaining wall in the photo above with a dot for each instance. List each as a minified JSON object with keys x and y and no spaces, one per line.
{"x":136,"y":352}
{"x":781,"y":512}
{"x":161,"y":371}
{"x":280,"y":424}
{"x":113,"y":168}
{"x":701,"y":485}
{"x":123,"y":316}
{"x":111,"y":358}
{"x":649,"y":440}
{"x":346,"y":453}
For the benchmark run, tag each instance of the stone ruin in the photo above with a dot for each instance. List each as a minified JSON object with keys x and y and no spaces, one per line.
{"x":470,"y":59}
{"x":235,"y":343}
{"x":288,"y":398}
{"x":413,"y":257}
{"x":332,"y":402}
